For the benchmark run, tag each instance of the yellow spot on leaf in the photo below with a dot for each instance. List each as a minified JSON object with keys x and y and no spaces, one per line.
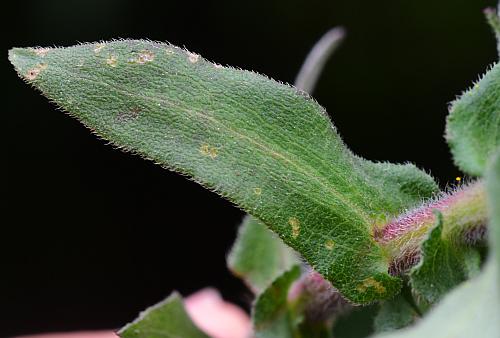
{"x":329,"y":244}
{"x":458,"y":178}
{"x":143,"y":57}
{"x":192,"y":57}
{"x":295,"y":224}
{"x":99,"y":47}
{"x":257,"y":191}
{"x":371,"y":283}
{"x":208,"y":150}
{"x":35,"y":71}
{"x":111,"y":61}
{"x":40,"y":51}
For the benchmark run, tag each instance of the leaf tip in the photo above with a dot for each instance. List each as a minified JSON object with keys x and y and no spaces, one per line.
{"x":28,"y":62}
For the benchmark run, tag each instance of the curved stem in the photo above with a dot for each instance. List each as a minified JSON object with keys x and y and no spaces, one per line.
{"x":464,"y":213}
{"x":316,"y":59}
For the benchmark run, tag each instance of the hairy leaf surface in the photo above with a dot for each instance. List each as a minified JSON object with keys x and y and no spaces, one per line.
{"x":443,"y":265}
{"x":271,"y":315}
{"x":473,"y":125}
{"x":274,"y":315}
{"x":493,"y":189}
{"x":164,"y":320}
{"x":394,"y":314}
{"x":266,"y":146}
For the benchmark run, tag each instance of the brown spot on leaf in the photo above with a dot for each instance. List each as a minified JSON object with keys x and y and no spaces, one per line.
{"x":111,"y":61}
{"x":330,"y":244}
{"x":131,"y":114}
{"x":371,"y":283}
{"x":295,"y":224}
{"x":143,"y":57}
{"x":208,"y":150}
{"x":40,"y":51}
{"x":192,"y":57}
{"x":33,"y":73}
{"x":99,"y":47}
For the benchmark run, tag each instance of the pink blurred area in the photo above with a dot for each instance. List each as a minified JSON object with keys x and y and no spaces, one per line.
{"x":216,"y":317}
{"x":83,"y":334}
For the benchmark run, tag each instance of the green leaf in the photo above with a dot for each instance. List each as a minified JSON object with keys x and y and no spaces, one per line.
{"x":276,"y":314}
{"x":271,"y":314}
{"x":259,"y":256}
{"x":164,"y":320}
{"x":473,"y":125}
{"x":394,"y":314}
{"x":266,"y":146}
{"x":473,"y":308}
{"x":493,"y":190}
{"x":357,"y":323}
{"x":443,"y":264}
{"x":470,"y":310}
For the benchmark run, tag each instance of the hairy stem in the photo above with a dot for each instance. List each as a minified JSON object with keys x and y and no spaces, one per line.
{"x":464,"y":214}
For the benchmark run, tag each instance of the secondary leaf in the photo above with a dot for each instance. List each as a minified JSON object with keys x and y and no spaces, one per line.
{"x":265,"y":146}
{"x":259,"y":256}
{"x":394,"y":314}
{"x":473,"y":125}
{"x":443,"y":264}
{"x":357,"y":323}
{"x":493,"y":189}
{"x":470,"y":310}
{"x":279,"y":314}
{"x":271,"y":314}
{"x":165,"y":320}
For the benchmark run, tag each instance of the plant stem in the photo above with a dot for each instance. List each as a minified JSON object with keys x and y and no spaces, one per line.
{"x":464,"y":223}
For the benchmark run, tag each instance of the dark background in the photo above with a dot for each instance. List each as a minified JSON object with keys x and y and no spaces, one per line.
{"x":90,"y":236}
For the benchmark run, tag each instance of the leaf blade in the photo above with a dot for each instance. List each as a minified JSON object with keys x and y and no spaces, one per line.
{"x":473,"y":124}
{"x":394,"y":314}
{"x":164,"y":320}
{"x":258,"y":255}
{"x":443,"y":264}
{"x":271,"y":315}
{"x":263,"y":145}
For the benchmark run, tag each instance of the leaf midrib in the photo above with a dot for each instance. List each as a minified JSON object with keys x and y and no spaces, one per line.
{"x":305,"y":169}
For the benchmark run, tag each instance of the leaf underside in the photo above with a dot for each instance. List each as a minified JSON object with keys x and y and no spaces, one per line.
{"x":265,"y":146}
